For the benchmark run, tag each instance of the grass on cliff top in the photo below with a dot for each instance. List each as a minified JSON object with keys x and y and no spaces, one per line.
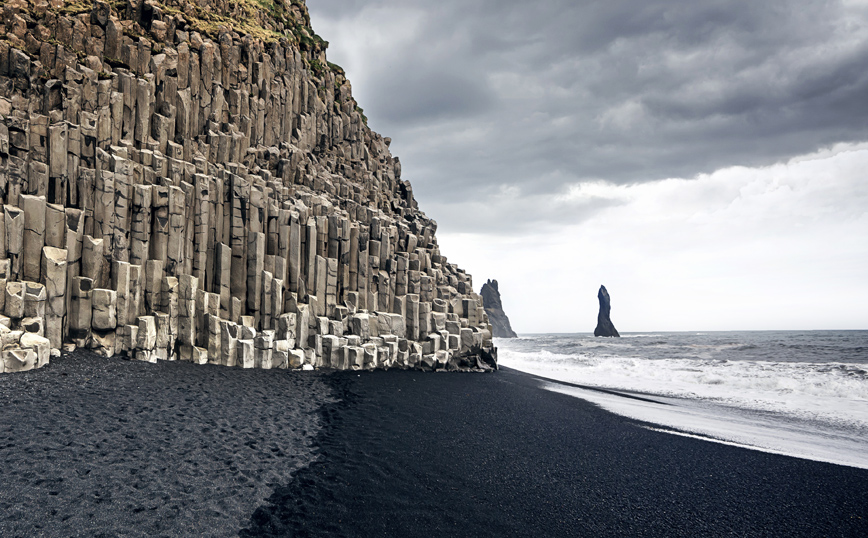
{"x":245,"y":22}
{"x":275,"y":9}
{"x":247,"y":17}
{"x":76,"y":7}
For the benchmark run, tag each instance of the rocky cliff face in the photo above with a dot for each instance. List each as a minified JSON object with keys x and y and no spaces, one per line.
{"x":605,"y":327}
{"x":194,"y":180}
{"x":494,"y":308}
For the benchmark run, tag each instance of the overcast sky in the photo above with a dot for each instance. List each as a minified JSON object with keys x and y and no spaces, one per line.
{"x":704,"y":160}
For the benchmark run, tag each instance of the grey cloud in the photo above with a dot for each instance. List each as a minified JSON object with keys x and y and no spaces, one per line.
{"x":503,"y":215}
{"x":537,"y":95}
{"x":428,"y":95}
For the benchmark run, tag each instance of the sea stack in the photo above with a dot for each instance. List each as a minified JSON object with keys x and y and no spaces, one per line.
{"x":201,"y":185}
{"x":604,"y":323}
{"x":494,"y":308}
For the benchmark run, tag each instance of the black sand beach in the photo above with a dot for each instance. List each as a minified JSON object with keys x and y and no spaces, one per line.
{"x":110,"y":447}
{"x":115,"y":448}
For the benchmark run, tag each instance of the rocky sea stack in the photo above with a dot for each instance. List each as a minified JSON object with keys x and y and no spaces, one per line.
{"x":605,"y":327}
{"x":194,"y":181}
{"x":494,"y":308}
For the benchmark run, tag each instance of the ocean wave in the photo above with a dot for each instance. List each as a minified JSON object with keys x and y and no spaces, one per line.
{"x":826,"y":391}
{"x":641,"y":336}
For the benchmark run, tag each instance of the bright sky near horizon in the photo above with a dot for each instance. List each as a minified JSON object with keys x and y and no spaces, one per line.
{"x":706,"y":161}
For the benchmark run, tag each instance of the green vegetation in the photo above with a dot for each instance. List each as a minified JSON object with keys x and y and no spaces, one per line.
{"x":114,"y":63}
{"x":308,"y":40}
{"x":260,"y":19}
{"x":361,"y":112}
{"x":317,"y":68}
{"x":76,"y":8}
{"x":275,"y":9}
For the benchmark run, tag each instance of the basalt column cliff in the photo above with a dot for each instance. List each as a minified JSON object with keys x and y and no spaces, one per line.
{"x":194,"y":181}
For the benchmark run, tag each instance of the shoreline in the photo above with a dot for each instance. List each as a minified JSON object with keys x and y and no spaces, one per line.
{"x":220,"y":451}
{"x":790,"y":393}
{"x":497,"y":454}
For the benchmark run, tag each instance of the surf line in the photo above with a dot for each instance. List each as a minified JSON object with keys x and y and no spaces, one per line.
{"x":632,"y":396}
{"x":723,"y":441}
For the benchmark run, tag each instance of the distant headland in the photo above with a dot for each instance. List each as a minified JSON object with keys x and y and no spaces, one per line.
{"x":494,"y":308}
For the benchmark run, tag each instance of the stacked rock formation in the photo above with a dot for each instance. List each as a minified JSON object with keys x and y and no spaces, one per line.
{"x":605,"y":327}
{"x":196,"y":182}
{"x":494,"y":308}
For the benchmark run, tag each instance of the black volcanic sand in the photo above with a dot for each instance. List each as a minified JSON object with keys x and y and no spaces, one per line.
{"x":110,"y":447}
{"x":97,"y":447}
{"x":412,"y":454}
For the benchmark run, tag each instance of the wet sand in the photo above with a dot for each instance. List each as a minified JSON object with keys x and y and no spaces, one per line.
{"x":97,"y":447}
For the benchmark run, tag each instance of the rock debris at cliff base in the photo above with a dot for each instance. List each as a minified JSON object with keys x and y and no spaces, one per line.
{"x":175,"y":188}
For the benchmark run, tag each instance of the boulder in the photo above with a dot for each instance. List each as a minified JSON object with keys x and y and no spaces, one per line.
{"x":19,"y":360}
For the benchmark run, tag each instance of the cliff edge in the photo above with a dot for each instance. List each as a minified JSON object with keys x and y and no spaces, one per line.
{"x":494,"y":308}
{"x":195,"y":181}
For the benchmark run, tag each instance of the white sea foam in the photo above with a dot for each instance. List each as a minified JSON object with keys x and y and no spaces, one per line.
{"x":732,"y":426}
{"x":817,"y":411}
{"x":639,"y":335}
{"x":831,"y":392}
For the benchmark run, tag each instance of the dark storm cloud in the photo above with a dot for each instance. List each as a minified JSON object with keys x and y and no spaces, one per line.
{"x":539,"y":95}
{"x":430,"y":95}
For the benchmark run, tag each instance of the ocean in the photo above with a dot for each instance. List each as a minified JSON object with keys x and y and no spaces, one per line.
{"x":798,"y":393}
